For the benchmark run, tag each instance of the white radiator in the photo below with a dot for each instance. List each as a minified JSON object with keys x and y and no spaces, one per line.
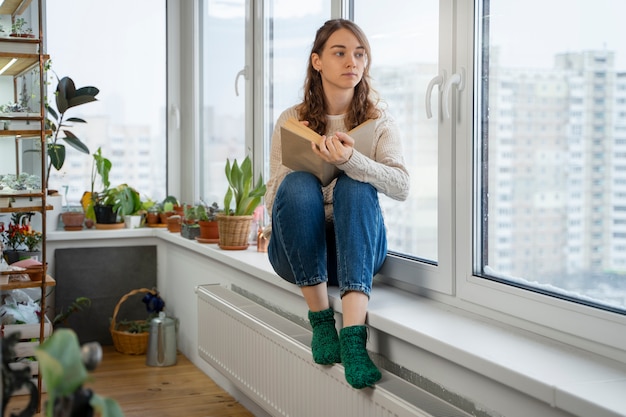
{"x":269,"y":359}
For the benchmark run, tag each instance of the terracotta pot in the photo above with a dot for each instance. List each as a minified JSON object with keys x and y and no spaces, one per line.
{"x":173,"y":224}
{"x":165,"y":215}
{"x":34,"y":273}
{"x":209,"y":229}
{"x":73,"y":220}
{"x":152,"y":218}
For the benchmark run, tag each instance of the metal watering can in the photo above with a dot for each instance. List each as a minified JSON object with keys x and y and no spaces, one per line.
{"x":162,"y":341}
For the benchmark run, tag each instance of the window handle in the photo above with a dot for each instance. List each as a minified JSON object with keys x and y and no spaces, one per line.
{"x":175,"y":115}
{"x":243,"y":73}
{"x":437,"y":80}
{"x":459,"y":80}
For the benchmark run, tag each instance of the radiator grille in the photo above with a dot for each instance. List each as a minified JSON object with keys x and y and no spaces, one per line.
{"x":264,"y":355}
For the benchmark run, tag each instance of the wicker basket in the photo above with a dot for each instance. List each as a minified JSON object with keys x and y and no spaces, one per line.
{"x":126,"y":342}
{"x":234,"y":231}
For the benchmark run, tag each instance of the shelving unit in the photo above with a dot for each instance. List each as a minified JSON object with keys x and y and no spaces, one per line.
{"x":23,"y":59}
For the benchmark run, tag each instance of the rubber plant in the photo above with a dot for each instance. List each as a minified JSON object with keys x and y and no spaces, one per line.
{"x":67,"y":96}
{"x":241,"y":190}
{"x":63,"y":372}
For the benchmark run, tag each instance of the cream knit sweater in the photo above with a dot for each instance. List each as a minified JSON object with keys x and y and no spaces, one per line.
{"x":384,"y":168}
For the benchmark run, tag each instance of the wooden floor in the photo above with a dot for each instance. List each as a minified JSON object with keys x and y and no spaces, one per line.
{"x":140,"y":390}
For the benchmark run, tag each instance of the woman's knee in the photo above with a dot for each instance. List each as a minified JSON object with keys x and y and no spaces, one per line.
{"x":348,"y":188}
{"x":299,"y":181}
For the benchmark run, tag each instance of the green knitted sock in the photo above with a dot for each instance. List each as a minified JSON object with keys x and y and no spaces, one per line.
{"x":359,"y":368}
{"x":325,"y":343}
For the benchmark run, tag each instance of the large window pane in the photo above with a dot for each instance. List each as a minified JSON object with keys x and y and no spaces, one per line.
{"x":405,"y":53}
{"x":289,"y":33}
{"x":553,"y":171}
{"x":223,"y":87}
{"x":119,"y":47}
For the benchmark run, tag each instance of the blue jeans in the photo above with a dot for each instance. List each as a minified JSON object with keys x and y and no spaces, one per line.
{"x":306,"y":250}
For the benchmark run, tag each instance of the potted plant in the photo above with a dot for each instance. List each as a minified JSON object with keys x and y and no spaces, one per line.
{"x":67,"y":96}
{"x":189,"y":227}
{"x":167,"y":207}
{"x":234,"y":224}
{"x":20,"y":29}
{"x":99,"y":205}
{"x":126,"y":203}
{"x":152,"y":210}
{"x":171,"y":214}
{"x":207,"y":221}
{"x":22,"y":242}
{"x":73,"y":220}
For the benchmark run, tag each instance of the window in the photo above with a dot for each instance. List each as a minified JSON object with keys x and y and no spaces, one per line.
{"x":118,"y":47}
{"x":544,"y":188}
{"x":288,"y":32}
{"x":225,"y":92}
{"x":515,"y":204}
{"x":405,"y":57}
{"x":409,"y":59}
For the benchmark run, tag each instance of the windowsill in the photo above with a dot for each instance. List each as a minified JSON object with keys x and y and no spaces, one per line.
{"x":568,"y":379}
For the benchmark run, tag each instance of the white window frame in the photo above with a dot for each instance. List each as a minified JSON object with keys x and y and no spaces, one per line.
{"x":452,"y":280}
{"x":436,"y":277}
{"x":588,"y":328}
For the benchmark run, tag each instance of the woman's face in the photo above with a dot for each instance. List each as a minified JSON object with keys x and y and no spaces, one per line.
{"x":342,"y":62}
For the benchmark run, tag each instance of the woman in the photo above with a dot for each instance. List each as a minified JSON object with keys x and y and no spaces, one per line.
{"x":335,"y":235}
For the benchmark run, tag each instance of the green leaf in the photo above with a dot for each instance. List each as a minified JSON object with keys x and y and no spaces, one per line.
{"x":250,"y":205}
{"x":52,"y":112}
{"x":78,"y":100}
{"x":236,"y":177}
{"x":103,"y":167}
{"x":65,"y":91}
{"x":259,"y":189}
{"x":105,"y":407}
{"x":87,"y":91}
{"x":76,"y":120}
{"x":240,"y":181}
{"x":227,"y":200}
{"x":60,"y":364}
{"x":56,"y":153}
{"x":129,"y":201}
{"x":74,"y":142}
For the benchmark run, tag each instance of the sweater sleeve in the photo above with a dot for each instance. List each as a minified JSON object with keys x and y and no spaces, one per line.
{"x":385,"y":168}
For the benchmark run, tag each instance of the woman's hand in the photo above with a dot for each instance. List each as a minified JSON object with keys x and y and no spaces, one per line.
{"x":336,"y":149}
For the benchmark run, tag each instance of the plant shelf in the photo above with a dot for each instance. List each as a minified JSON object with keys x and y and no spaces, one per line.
{"x":20,"y":285}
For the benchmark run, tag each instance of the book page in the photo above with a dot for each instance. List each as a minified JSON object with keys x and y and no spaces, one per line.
{"x":298,"y":155}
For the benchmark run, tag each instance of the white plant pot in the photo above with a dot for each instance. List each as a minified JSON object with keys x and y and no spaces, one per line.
{"x":132,"y":222}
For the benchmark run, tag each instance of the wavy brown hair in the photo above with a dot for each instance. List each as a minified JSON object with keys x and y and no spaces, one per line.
{"x":364,"y":102}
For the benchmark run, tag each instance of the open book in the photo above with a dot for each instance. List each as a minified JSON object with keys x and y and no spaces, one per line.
{"x":296,"y":141}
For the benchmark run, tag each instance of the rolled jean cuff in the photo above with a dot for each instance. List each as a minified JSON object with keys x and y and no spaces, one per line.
{"x":356,"y":287}
{"x":311,"y":281}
